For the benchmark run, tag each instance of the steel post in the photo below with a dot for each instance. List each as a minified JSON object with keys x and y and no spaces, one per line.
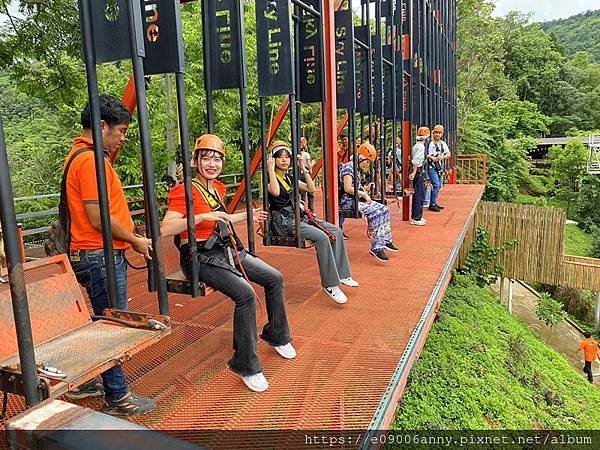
{"x":147,"y":166}
{"x":16,"y":276}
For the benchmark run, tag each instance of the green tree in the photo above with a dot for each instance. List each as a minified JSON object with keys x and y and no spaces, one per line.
{"x":568,"y":164}
{"x":481,"y":263}
{"x":533,"y":60}
{"x":577,"y":33}
{"x":550,"y":312}
{"x":588,"y":202}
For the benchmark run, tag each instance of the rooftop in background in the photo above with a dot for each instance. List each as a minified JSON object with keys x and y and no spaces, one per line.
{"x":562,"y":140}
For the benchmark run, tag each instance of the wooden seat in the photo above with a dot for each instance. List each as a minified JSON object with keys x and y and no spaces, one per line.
{"x":64,"y":335}
{"x":178,"y":283}
{"x":288,"y":241}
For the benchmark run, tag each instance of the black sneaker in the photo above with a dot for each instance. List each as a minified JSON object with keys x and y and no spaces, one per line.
{"x":379,"y":254}
{"x":391,"y":247}
{"x":434,"y":208}
{"x":92,"y":388}
{"x":130,"y":405}
{"x":346,"y":237}
{"x":439,"y":206}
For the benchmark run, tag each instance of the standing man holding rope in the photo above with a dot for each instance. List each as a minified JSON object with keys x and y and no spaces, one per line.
{"x":87,"y":246}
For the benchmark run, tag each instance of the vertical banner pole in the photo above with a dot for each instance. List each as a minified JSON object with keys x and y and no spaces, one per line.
{"x":245,"y":133}
{"x":16,"y":275}
{"x":147,"y":164}
{"x":330,"y":111}
{"x":94,"y":102}
{"x":210,"y":120}
{"x":187,"y":178}
{"x":265,"y":173}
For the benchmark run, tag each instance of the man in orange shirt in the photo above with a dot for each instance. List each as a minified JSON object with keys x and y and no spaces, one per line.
{"x":590,"y":353}
{"x":86,"y":246}
{"x":343,"y":152}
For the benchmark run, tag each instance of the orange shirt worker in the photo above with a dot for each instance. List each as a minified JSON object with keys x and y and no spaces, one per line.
{"x":87,"y":246}
{"x":590,"y":354}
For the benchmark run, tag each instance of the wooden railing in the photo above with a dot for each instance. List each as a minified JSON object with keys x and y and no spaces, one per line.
{"x":471,"y":169}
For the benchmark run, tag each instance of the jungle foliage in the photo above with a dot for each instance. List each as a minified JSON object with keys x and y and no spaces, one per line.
{"x":515,"y":83}
{"x":482,"y":368}
{"x":578,"y":33}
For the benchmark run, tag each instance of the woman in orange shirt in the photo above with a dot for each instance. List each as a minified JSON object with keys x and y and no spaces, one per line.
{"x":226,"y":266}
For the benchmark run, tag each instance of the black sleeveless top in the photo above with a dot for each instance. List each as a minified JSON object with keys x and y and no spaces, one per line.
{"x":285,"y":197}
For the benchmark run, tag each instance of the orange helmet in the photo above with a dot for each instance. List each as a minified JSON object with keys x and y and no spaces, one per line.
{"x":438,"y":128}
{"x":277,"y":146}
{"x":210,"y":142}
{"x":423,"y":132}
{"x":367,"y":151}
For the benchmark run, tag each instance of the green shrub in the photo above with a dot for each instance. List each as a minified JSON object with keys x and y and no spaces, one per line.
{"x":481,"y":263}
{"x":482,"y":368}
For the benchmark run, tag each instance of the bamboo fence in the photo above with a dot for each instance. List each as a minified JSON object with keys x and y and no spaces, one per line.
{"x":538,"y":256}
{"x":582,"y":273}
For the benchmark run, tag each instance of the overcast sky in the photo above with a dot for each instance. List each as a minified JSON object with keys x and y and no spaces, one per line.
{"x":546,"y":9}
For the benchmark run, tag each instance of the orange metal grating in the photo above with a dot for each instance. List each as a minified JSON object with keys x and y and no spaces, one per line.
{"x":347,"y":355}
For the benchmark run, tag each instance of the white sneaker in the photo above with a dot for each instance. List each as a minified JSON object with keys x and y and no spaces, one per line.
{"x":256,"y":382}
{"x":425,"y":205}
{"x":336,"y":295}
{"x":287,"y":351}
{"x":349,"y":282}
{"x":417,"y":222}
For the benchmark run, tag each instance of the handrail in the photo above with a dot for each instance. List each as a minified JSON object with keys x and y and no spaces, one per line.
{"x":235,"y":177}
{"x":471,"y":168}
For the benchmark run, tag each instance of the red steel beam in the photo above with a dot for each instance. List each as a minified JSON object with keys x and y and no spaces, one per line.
{"x":406,"y":144}
{"x":330,"y":107}
{"x":340,"y":127}
{"x":257,"y":159}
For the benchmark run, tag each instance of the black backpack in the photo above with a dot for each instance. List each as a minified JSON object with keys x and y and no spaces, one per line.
{"x":59,"y":234}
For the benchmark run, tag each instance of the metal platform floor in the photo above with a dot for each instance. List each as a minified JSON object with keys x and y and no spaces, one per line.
{"x":353,"y":359}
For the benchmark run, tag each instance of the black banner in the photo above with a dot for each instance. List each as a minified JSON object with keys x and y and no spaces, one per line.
{"x":377,"y":75}
{"x":387,"y":8}
{"x":110,"y":28}
{"x":344,"y":60}
{"x":274,"y":46}
{"x":360,"y":33}
{"x":388,"y":112}
{"x":224,"y":30}
{"x":399,"y":85}
{"x":362,"y":71}
{"x":310,"y":73}
{"x":162,"y":36}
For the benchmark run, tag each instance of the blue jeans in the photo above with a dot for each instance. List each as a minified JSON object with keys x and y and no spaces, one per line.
{"x":90,"y":271}
{"x":431,"y":197}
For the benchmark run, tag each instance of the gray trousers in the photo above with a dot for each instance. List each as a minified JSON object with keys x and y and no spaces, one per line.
{"x":331,"y":255}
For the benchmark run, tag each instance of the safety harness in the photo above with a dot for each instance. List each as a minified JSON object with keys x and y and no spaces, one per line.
{"x":306,"y":214}
{"x":224,"y":234}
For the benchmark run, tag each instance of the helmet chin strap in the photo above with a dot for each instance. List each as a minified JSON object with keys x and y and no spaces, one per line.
{"x":205,"y":181}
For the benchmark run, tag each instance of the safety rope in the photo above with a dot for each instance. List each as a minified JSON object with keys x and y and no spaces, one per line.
{"x":217,"y":203}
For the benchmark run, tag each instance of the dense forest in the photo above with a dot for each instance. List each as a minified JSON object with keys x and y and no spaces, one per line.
{"x":515,"y":84}
{"x":578,"y":33}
